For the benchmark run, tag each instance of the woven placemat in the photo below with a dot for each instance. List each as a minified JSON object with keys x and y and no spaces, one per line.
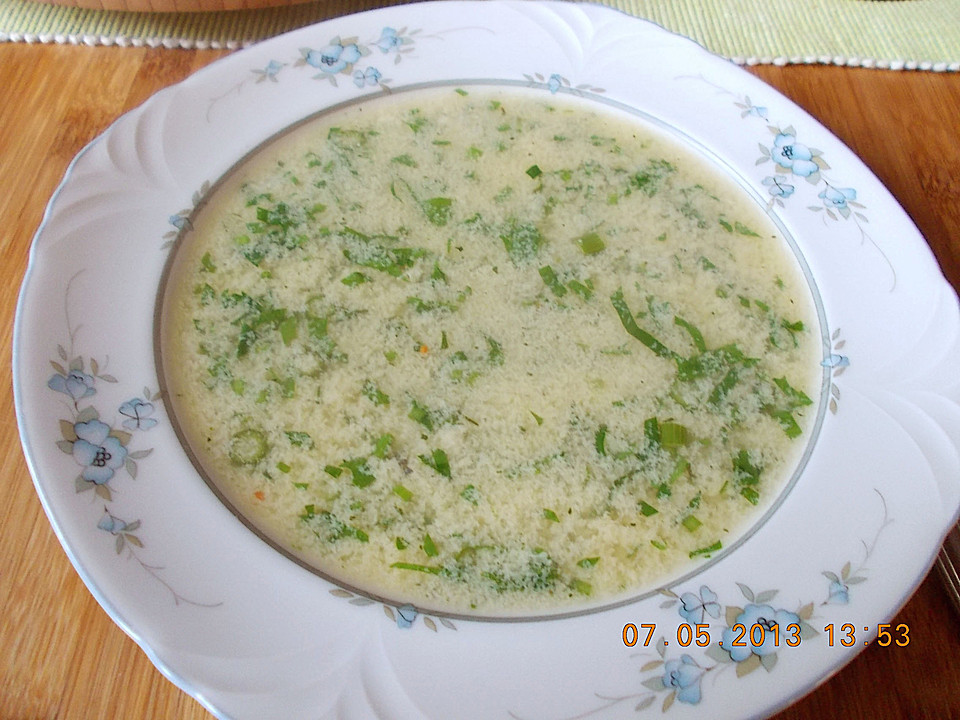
{"x":896,"y":34}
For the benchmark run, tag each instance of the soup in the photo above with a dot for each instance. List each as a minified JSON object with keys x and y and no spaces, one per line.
{"x":489,"y":352}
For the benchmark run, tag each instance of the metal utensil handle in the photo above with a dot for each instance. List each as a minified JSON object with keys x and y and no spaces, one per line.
{"x":948,"y":563}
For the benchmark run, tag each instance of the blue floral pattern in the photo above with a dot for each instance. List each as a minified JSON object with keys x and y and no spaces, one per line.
{"x":405,"y":616}
{"x":794,"y":159}
{"x":750,"y":637}
{"x":556,"y":82}
{"x":103,"y":452}
{"x":337,"y":58}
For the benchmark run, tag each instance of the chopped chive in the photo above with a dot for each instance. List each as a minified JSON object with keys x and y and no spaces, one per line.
{"x":708,"y":550}
{"x":534,"y":171}
{"x":551,"y":280}
{"x":354,"y":278}
{"x":401,"y":543}
{"x":537,"y":418}
{"x":402,"y":492}
{"x":333,"y":470}
{"x":599,"y":440}
{"x":659,"y":544}
{"x":630,"y":325}
{"x":580,"y":289}
{"x":591,"y":243}
{"x":416,"y":567}
{"x":694,"y":333}
{"x":429,"y":547}
{"x":588,"y":562}
{"x":283,"y":467}
{"x":673,"y":435}
{"x":691,"y":523}
{"x":581,"y":586}
{"x":646,"y":509}
{"x":550,"y":515}
{"x":248,"y":447}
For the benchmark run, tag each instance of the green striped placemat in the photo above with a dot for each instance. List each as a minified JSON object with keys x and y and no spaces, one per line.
{"x":898,"y":34}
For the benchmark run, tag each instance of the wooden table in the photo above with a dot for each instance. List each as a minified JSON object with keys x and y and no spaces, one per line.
{"x":62,"y":657}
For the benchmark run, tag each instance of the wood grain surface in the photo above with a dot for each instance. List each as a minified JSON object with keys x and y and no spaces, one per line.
{"x":62,"y":657}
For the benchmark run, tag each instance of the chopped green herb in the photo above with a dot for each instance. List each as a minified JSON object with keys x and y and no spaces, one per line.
{"x":708,"y":550}
{"x":550,"y":515}
{"x":630,"y":325}
{"x":418,"y":568}
{"x":438,"y":461}
{"x":248,"y":447}
{"x":600,"y":439}
{"x":591,"y":243}
{"x":360,"y":471}
{"x":471,"y":495}
{"x":581,"y":586}
{"x":534,"y":171}
{"x":355,"y":278}
{"x":382,"y":446}
{"x":550,"y":279}
{"x":375,"y":394}
{"x":646,"y":509}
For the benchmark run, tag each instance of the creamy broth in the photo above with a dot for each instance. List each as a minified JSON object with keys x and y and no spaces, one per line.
{"x":490,"y":352}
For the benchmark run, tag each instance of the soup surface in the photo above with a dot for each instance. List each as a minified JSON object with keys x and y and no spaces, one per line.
{"x":489,"y":352}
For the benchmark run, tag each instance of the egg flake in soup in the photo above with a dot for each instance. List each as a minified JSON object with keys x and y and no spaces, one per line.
{"x":489,"y":352}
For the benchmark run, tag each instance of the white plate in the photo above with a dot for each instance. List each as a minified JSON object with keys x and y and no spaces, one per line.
{"x":253,"y":635}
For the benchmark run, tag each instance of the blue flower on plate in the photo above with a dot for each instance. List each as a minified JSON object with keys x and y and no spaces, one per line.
{"x":76,"y":384}
{"x":796,"y":157}
{"x":97,"y":451}
{"x":767,"y":618}
{"x":694,"y":608}
{"x":370,"y":76}
{"x":273,"y":67}
{"x":837,"y":198}
{"x":333,"y":58}
{"x":684,"y":676}
{"x":835,"y":361}
{"x":838,"y":594}
{"x":554,"y":83}
{"x":111,"y":524}
{"x":406,"y":614}
{"x":389,"y":40}
{"x":778,"y":186}
{"x":137,"y":412}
